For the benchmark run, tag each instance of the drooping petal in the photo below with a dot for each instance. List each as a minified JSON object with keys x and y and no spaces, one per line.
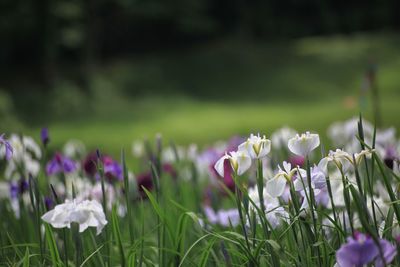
{"x":69,"y":165}
{"x":219,"y":165}
{"x":244,"y":163}
{"x":48,"y":216}
{"x":287,"y":166}
{"x":7,"y":146}
{"x":389,"y":252}
{"x":276,"y":186}
{"x":323,"y":165}
{"x":300,"y":183}
{"x":53,"y":167}
{"x":357,"y":252}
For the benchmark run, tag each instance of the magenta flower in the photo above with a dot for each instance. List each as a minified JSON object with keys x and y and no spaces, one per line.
{"x":145,"y":179}
{"x":112,"y":169}
{"x":296,"y":160}
{"x":60,"y":164}
{"x":8,"y":147}
{"x":89,"y":164}
{"x":361,"y":250}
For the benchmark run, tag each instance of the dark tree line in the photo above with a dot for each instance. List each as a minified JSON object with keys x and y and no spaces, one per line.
{"x":44,"y":33}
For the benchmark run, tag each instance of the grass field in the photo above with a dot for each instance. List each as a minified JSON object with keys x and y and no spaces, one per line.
{"x":228,"y":87}
{"x":316,"y":216}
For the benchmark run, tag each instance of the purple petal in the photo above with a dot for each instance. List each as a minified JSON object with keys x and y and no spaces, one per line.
{"x":357,"y":252}
{"x":13,"y":190}
{"x":389,"y":252}
{"x":113,"y":170}
{"x":8,"y":147}
{"x":53,"y":167}
{"x":44,"y":136}
{"x":9,"y":150}
{"x":68,"y":165}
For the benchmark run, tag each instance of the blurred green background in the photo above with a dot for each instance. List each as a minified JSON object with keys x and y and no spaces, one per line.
{"x":109,"y":72}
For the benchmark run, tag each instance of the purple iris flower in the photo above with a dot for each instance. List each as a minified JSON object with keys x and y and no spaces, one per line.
{"x":234,"y":142}
{"x":49,"y":203}
{"x":60,"y":164}
{"x":361,"y":250}
{"x":319,"y":186}
{"x":112,"y":169}
{"x":44,"y":136}
{"x":18,"y":188}
{"x":390,"y":156}
{"x":7,"y":145}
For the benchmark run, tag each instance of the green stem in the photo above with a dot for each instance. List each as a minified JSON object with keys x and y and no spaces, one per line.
{"x":127,"y":200}
{"x":239,"y":207}
{"x":312,"y":207}
{"x":65,"y":247}
{"x":260,"y":185}
{"x":104,"y":204}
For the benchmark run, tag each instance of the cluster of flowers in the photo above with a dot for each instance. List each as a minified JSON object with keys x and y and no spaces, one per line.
{"x":339,"y":163}
{"x":282,"y":164}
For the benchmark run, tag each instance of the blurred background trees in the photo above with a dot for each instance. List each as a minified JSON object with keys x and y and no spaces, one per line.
{"x":62,"y":59}
{"x":46,"y":32}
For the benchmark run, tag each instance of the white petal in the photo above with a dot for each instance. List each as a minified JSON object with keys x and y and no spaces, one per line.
{"x":304,"y":144}
{"x":276,"y":186}
{"x":314,"y":141}
{"x":299,"y":184}
{"x":294,"y":147}
{"x":82,"y":227}
{"x":304,"y":205}
{"x":243,"y":147}
{"x":244,"y":163}
{"x":265,"y":149}
{"x":302,"y":173}
{"x":323,"y":165}
{"x":47,"y":217}
{"x":219,"y":165}
{"x":287,"y":167}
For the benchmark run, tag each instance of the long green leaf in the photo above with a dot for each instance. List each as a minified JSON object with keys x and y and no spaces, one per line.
{"x":117,"y":235}
{"x":51,"y":243}
{"x":26,"y":258}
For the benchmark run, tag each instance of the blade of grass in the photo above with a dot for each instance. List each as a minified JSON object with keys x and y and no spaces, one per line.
{"x":51,"y":243}
{"x":91,"y":255}
{"x":127,"y":200}
{"x":117,"y":235}
{"x":26,"y":258}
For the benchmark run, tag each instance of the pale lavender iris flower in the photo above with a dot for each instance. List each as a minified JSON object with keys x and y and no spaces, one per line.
{"x":361,"y":250}
{"x":222,"y":217}
{"x":318,"y":184}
